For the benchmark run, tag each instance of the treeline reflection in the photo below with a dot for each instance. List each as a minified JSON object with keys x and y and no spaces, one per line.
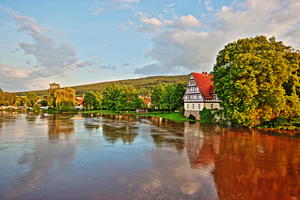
{"x":119,"y":127}
{"x":60,"y":125}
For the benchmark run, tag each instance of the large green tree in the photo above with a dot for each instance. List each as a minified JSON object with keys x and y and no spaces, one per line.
{"x":116,"y":97}
{"x":65,"y":99}
{"x":257,"y":80}
{"x":158,"y":95}
{"x":113,"y":97}
{"x":31,"y":99}
{"x":92,"y":100}
{"x":173,"y":96}
{"x":131,"y":98}
{"x":7,"y":98}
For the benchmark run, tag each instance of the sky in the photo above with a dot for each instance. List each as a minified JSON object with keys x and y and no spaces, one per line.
{"x":86,"y":41}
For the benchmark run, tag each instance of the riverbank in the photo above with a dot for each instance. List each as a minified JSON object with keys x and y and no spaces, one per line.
{"x":282,"y":129}
{"x":173,"y":116}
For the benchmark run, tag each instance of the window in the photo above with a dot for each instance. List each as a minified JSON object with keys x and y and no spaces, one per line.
{"x":199,"y":106}
{"x":193,"y":106}
{"x":187,"y":106}
{"x":212,"y":106}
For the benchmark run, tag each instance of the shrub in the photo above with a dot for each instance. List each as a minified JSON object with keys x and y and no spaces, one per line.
{"x":206,"y":116}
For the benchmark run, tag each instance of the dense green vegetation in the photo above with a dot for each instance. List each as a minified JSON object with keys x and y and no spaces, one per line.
{"x":168,"y":97}
{"x":207,"y":116}
{"x":140,"y":83}
{"x":92,"y":101}
{"x":257,"y":80}
{"x":64,"y":99}
{"x":120,"y":98}
{"x":7,"y":98}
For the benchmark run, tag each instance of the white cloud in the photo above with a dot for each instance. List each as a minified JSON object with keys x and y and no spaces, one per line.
{"x":158,"y":24}
{"x":188,"y":21}
{"x":101,"y":6}
{"x":151,"y":21}
{"x":208,"y":6}
{"x":53,"y":57}
{"x":196,"y":50}
{"x":12,"y":72}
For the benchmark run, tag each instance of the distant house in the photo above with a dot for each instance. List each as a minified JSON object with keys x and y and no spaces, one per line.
{"x":199,"y":95}
{"x":147,"y":102}
{"x":79,"y":101}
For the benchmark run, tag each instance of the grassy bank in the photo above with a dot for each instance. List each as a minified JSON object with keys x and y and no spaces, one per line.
{"x":174,"y":116}
{"x":106,"y":112}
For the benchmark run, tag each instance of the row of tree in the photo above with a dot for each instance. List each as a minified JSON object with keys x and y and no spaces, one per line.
{"x":114,"y":97}
{"x":117,"y":98}
{"x":7,"y":98}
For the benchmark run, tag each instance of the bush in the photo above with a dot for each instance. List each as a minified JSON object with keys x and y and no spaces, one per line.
{"x":206,"y":116}
{"x":181,"y":110}
{"x":280,"y":122}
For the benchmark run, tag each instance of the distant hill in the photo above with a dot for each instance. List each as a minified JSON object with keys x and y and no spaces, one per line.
{"x":138,"y":83}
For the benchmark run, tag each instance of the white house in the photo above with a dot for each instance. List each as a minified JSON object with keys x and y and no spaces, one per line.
{"x":200,"y":94}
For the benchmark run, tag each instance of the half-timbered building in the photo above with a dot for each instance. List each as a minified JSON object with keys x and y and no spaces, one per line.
{"x":200,"y":94}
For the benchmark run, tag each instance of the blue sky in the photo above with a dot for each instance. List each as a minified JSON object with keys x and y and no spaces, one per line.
{"x":78,"y":42}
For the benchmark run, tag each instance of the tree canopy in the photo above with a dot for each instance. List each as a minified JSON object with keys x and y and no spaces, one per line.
{"x":92,"y":100}
{"x":64,"y":99}
{"x":167,"y":97}
{"x":257,"y":80}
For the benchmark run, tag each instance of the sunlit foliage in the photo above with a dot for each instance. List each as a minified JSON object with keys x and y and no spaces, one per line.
{"x":257,"y":80}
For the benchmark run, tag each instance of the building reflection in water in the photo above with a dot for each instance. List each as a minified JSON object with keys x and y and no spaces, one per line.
{"x":119,"y":127}
{"x":60,"y":125}
{"x":255,"y":166}
{"x":201,"y":145}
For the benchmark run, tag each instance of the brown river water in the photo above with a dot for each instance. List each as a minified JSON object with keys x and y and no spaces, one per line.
{"x":126,"y":157}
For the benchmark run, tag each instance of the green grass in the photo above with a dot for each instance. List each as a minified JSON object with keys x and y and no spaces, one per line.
{"x":174,"y":116}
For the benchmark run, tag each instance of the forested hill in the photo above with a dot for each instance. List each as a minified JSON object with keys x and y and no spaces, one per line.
{"x":146,"y":82}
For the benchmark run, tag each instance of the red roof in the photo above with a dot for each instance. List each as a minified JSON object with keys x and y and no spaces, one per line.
{"x":205,"y":84}
{"x":145,"y":99}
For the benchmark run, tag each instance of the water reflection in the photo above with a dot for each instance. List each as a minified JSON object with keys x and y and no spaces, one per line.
{"x":7,"y":118}
{"x":165,"y":160}
{"x":31,"y":118}
{"x":254,"y":166}
{"x":118,"y":127}
{"x":167,"y":133}
{"x":202,"y":145}
{"x":29,"y":157}
{"x":59,"y":125}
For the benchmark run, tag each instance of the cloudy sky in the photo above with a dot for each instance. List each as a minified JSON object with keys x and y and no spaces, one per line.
{"x":87,"y":41}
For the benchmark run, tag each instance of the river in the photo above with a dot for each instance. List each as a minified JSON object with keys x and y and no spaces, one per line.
{"x":127,"y":157}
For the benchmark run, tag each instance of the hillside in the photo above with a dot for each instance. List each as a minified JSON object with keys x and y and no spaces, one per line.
{"x":146,"y":82}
